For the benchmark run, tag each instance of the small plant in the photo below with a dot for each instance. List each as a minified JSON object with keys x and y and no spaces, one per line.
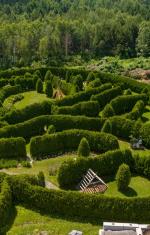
{"x":123,"y":177}
{"x":39,"y":86}
{"x":51,"y":129}
{"x":26,"y":164}
{"x":84,"y":148}
{"x":48,"y":89}
{"x":41,"y":179}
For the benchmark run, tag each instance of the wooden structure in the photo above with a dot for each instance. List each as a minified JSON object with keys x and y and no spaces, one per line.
{"x":92,"y":183}
{"x":137,"y":144}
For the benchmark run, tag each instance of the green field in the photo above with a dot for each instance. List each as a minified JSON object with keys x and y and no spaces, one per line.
{"x":28,"y":222}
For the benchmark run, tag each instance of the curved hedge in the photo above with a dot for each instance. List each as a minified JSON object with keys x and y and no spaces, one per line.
{"x":13,"y":148}
{"x":104,"y":165}
{"x":89,"y":108}
{"x":30,"y":111}
{"x":106,"y":96}
{"x":9,"y":90}
{"x":137,"y":110}
{"x":125,"y":103}
{"x":82,"y":96}
{"x":78,"y":205}
{"x":67,"y":141}
{"x":5,"y":206}
{"x":36,"y":125}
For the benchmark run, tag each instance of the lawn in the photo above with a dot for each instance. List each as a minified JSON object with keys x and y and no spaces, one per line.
{"x":28,"y":222}
{"x":30,"y":97}
{"x":48,"y":166}
{"x":139,"y":186}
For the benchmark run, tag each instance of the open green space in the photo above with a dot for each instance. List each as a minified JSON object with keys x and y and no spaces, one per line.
{"x":30,"y":97}
{"x":32,"y":223}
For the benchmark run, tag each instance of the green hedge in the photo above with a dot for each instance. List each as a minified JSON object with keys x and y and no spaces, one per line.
{"x":36,"y":125}
{"x":13,"y":148}
{"x":30,"y":111}
{"x":137,"y":110}
{"x":9,"y":90}
{"x":89,"y":108}
{"x":82,"y":96}
{"x":106,"y":96}
{"x":145,"y":134}
{"x":5,"y":206}
{"x":71,"y":171}
{"x":121,"y":127}
{"x":78,"y":205}
{"x":67,"y":141}
{"x":125,"y":103}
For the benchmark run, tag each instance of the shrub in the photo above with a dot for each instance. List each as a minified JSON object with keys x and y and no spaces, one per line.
{"x":87,"y":108}
{"x":82,"y":96}
{"x":8,"y":91}
{"x":48,"y":89}
{"x":39,"y":86}
{"x":108,"y":111}
{"x":84,"y":148}
{"x":145,"y":134}
{"x":95,"y":83}
{"x":78,"y":81}
{"x":128,"y":92}
{"x":123,"y":177}
{"x":41,"y":179}
{"x":26,"y":164}
{"x":13,"y":148}
{"x":90,"y":77}
{"x":48,"y":76}
{"x":36,"y":126}
{"x":142,"y":165}
{"x":7,"y":163}
{"x":51,"y":129}
{"x":67,"y":141}
{"x":106,"y":96}
{"x":105,"y":164}
{"x":137,"y":110}
{"x":136,"y":128}
{"x":107,"y":127}
{"x":125,"y":103}
{"x":145,"y":90}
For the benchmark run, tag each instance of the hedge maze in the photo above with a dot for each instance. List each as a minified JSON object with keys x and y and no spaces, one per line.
{"x":104,"y":109}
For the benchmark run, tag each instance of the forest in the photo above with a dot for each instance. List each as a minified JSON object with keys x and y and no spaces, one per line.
{"x":51,"y":32}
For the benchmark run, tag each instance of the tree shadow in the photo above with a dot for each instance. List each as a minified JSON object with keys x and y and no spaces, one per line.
{"x":129,"y":192}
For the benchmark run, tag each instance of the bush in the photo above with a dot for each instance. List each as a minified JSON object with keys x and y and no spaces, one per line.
{"x":20,"y":115}
{"x":7,"y":163}
{"x":107,"y":127}
{"x":82,"y":96}
{"x":37,"y":125}
{"x":106,"y":96}
{"x":48,"y":76}
{"x":13,"y":148}
{"x":26,"y":164}
{"x":68,"y":141}
{"x":123,"y":177}
{"x":128,"y":92}
{"x":95,"y":83}
{"x":78,"y":82}
{"x":39,"y":86}
{"x":91,"y":76}
{"x":48,"y":89}
{"x":51,"y":129}
{"x":104,"y":165}
{"x":108,"y":111}
{"x":142,"y":165}
{"x":8,"y":91}
{"x":136,"y":128}
{"x":145,"y":134}
{"x":125,"y":103}
{"x":83,"y":148}
{"x":41,"y":179}
{"x":137,"y":110}
{"x":87,"y":108}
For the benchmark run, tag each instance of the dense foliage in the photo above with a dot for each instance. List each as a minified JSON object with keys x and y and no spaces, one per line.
{"x":123,"y":177}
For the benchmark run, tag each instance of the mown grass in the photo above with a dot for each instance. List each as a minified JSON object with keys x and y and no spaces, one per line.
{"x":139,"y":186}
{"x":28,"y":222}
{"x":30,"y":97}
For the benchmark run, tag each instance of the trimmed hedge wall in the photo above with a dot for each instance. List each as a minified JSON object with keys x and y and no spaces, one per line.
{"x":9,"y":90}
{"x":125,"y":103}
{"x":89,"y":108}
{"x":106,"y":96}
{"x":82,"y":96}
{"x":5,"y":206}
{"x":145,"y":134}
{"x":36,"y":125}
{"x":13,"y":148}
{"x":121,"y":127}
{"x":79,"y":205}
{"x":67,"y":141}
{"x":30,"y":111}
{"x":137,"y":110}
{"x":71,"y":171}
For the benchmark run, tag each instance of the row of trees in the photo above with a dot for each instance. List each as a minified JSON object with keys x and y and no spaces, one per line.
{"x":94,"y":33}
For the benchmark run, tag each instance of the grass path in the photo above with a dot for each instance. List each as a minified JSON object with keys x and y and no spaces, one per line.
{"x":28,"y":222}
